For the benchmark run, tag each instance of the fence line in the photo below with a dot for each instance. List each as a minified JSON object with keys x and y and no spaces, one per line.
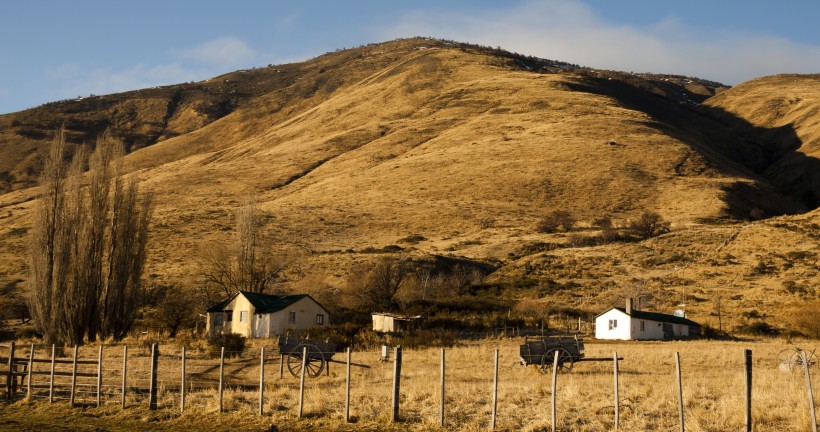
{"x":24,"y":368}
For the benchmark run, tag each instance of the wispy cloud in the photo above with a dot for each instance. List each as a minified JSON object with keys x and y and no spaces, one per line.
{"x":224,"y":51}
{"x":571,"y":31}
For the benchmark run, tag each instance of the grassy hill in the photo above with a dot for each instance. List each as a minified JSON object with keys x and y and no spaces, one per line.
{"x":464,"y":149}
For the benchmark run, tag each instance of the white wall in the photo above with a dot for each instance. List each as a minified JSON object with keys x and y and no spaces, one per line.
{"x":621,"y":329}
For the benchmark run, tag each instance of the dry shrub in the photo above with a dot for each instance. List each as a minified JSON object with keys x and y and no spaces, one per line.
{"x":805,"y":318}
{"x":555,"y":221}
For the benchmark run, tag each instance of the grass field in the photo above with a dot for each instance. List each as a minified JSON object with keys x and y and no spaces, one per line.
{"x":712,"y":375}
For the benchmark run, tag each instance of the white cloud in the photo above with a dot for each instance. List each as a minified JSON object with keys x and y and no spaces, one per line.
{"x":571,"y":31}
{"x":224,"y":51}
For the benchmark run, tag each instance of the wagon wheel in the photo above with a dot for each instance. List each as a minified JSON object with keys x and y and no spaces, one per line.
{"x":314,"y":364}
{"x":564,"y":361}
{"x":784,"y":357}
{"x":797,"y":358}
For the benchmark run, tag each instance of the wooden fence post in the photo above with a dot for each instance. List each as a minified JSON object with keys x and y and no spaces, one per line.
{"x":617,"y":398}
{"x":152,"y":391}
{"x":221,"y":377}
{"x":554,"y":379}
{"x":495,"y":391}
{"x":302,"y":381}
{"x":74,"y":376}
{"x":99,"y":376}
{"x":30,"y":367}
{"x":124,"y":372}
{"x":680,"y":392}
{"x":281,"y":364}
{"x":10,"y":376}
{"x":347,"y":388}
{"x":441,"y":412}
{"x":182,"y":385}
{"x":51,"y":377}
{"x":396,"y":384}
{"x":261,"y":381}
{"x":747,"y":355}
{"x":810,"y":393}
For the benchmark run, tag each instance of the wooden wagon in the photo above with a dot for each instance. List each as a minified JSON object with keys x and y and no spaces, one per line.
{"x":317,"y":355}
{"x":541,"y":352}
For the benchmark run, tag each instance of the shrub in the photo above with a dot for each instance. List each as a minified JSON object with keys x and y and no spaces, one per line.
{"x":556,"y":220}
{"x":806,"y":319}
{"x":759,"y":328}
{"x":234,"y":345}
{"x":649,"y":224}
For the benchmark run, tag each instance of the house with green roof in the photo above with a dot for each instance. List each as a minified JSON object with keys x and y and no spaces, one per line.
{"x":256,"y":315}
{"x":629,"y":323}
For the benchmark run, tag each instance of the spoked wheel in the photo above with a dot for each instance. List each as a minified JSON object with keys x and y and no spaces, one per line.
{"x":314,"y":364}
{"x":793,"y":358}
{"x":565,"y":362}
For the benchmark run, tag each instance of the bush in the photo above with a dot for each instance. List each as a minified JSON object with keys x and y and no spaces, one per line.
{"x":234,"y":345}
{"x":806,"y":319}
{"x":759,"y":328}
{"x":556,"y":220}
{"x":650,"y":224}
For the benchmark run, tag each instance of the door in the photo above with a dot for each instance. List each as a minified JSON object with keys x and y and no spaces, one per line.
{"x":667,"y":331}
{"x":259,"y":327}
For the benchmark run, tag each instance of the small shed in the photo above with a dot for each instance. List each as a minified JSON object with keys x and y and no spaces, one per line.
{"x":256,"y":315}
{"x":391,"y":323}
{"x":631,"y":324}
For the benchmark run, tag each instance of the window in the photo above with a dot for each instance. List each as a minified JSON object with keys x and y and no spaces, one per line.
{"x":613,"y":324}
{"x":320,"y":319}
{"x":643,"y":326}
{"x":228,"y":315}
{"x":218,"y":320}
{"x":292,"y":317}
{"x":243,"y":316}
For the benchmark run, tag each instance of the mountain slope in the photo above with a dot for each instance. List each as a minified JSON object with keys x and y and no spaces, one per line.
{"x":463,"y":146}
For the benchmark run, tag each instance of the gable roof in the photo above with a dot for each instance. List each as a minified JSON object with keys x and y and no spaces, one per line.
{"x":264,"y":303}
{"x":654,"y":316}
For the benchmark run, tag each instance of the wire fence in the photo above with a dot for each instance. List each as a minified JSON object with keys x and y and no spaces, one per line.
{"x":461,"y":388}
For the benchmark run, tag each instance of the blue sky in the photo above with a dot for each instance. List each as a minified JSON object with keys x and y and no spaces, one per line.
{"x":54,"y":50}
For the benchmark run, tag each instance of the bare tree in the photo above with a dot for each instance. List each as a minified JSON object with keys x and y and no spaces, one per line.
{"x":649,"y":224}
{"x":87,"y":246}
{"x":375,"y":287}
{"x":175,"y":309}
{"x":248,"y":265}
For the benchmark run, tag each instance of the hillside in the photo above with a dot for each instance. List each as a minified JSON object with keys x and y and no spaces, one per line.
{"x":465,"y":148}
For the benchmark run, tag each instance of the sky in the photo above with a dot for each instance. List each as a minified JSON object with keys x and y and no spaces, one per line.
{"x":54,"y":50}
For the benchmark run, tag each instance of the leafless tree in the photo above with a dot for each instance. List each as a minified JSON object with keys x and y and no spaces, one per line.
{"x":649,"y":224}
{"x":87,"y":245}
{"x":247,"y":265}
{"x":175,"y":309}
{"x":375,"y":287}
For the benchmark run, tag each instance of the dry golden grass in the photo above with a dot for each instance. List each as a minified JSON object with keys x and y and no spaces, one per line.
{"x":713,"y":383}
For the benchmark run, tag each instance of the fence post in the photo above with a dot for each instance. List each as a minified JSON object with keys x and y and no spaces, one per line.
{"x":302,"y":381}
{"x":747,"y":354}
{"x":441,"y":413}
{"x":30,"y":367}
{"x":74,"y":376}
{"x":99,"y":376}
{"x":152,"y":391}
{"x":396,"y":384}
{"x":347,"y":388}
{"x":182,"y":385}
{"x":51,"y":378}
{"x":281,"y":364}
{"x":680,"y":391}
{"x":10,"y":376}
{"x":617,"y":398}
{"x":221,"y":377}
{"x":495,"y":391}
{"x":124,"y":371}
{"x":810,"y":393}
{"x":261,"y":380}
{"x":554,"y":378}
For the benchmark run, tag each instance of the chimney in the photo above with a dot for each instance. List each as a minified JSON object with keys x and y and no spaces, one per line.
{"x":629,"y":306}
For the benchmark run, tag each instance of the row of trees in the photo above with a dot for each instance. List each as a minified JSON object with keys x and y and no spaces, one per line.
{"x":87,"y":245}
{"x":648,"y":224}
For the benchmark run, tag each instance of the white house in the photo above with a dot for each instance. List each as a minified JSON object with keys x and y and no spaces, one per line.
{"x":255,"y":315}
{"x":630,"y":323}
{"x":391,"y":323}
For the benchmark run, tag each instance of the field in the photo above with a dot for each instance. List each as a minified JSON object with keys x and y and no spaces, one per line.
{"x":712,"y":376}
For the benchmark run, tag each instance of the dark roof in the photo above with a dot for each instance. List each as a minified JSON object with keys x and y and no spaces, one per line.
{"x":264,"y":303}
{"x":654,"y":316}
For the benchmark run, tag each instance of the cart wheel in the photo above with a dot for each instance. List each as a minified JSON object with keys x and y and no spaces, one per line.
{"x":314,"y":364}
{"x":565,"y":362}
{"x":797,"y":358}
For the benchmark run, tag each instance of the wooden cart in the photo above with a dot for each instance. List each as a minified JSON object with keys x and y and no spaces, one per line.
{"x":541,"y":352}
{"x":319,"y":354}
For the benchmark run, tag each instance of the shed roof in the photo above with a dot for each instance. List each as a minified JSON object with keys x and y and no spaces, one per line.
{"x":264,"y":303}
{"x":654,"y":316}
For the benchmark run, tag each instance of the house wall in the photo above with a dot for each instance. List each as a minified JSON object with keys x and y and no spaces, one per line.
{"x":622,"y":331}
{"x":652,"y":329}
{"x":306,"y":311}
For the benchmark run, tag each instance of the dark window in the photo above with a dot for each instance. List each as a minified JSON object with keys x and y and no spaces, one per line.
{"x":320,"y":319}
{"x":293,"y":317}
{"x":228,"y":315}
